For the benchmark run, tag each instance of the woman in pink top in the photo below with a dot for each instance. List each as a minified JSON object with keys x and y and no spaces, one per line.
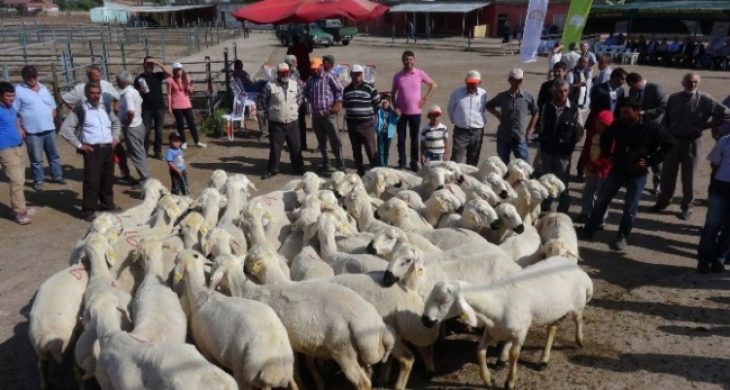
{"x":178,"y":104}
{"x":406,"y":93}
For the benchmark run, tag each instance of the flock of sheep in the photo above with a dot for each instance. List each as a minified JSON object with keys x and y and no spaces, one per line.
{"x":230,"y":290}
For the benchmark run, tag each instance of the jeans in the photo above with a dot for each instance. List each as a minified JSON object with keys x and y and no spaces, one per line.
{"x":187,"y":116}
{"x":592,"y":187}
{"x":158,"y":117}
{"x":414,"y":123}
{"x":383,"y":148}
{"x":39,"y":143}
{"x":519,"y":149}
{"x":325,"y":128}
{"x":634,"y":186}
{"x":715,"y":236}
{"x":179,"y":183}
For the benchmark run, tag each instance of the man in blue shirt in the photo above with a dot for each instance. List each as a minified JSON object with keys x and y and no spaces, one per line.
{"x":714,"y":246}
{"x":11,"y":153}
{"x":37,"y":110}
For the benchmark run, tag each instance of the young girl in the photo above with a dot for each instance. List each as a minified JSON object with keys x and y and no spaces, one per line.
{"x":179,"y":105}
{"x":434,"y":137}
{"x":385,"y":128}
{"x":592,"y":164}
{"x":175,"y":158}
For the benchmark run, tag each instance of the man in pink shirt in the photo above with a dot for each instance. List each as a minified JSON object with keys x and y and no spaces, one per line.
{"x":406,"y":93}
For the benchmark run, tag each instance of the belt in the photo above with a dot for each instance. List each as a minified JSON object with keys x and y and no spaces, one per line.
{"x":469,"y":128}
{"x":100,"y":145}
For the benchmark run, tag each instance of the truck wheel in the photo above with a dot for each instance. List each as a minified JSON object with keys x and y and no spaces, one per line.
{"x":345,"y":42}
{"x":285,"y":42}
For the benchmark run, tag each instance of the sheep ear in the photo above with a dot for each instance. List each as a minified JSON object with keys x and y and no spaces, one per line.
{"x":251,"y":186}
{"x":236,"y":246}
{"x":468,"y":315}
{"x":223,"y":201}
{"x":124,"y":312}
{"x":111,"y":257}
{"x":215,"y":278}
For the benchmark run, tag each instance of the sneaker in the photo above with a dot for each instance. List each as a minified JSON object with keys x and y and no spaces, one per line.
{"x":201,"y":145}
{"x":657,"y":208}
{"x":60,"y":181}
{"x":30,"y":211}
{"x":619,"y":244}
{"x":184,"y":146}
{"x":686,"y":214}
{"x":268,"y":175}
{"x":401,"y":167}
{"x":38,"y":186}
{"x":704,"y":267}
{"x":717,"y":267}
{"x":22,"y":218}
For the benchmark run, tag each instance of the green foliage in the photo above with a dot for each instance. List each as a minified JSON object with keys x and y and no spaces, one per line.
{"x":213,"y":126}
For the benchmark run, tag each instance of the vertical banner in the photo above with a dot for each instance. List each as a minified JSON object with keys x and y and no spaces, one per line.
{"x":575,"y":21}
{"x":718,"y":36}
{"x":533,"y":30}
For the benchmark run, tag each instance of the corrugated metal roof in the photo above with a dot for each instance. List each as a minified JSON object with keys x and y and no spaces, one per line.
{"x":151,"y":9}
{"x":665,"y":6}
{"x":438,"y":7}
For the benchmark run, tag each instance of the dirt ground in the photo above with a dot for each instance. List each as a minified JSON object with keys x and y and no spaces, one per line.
{"x":654,"y":322}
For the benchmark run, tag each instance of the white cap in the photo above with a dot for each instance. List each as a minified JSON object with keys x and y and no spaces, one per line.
{"x":283,"y":67}
{"x":357,"y":69}
{"x":177,"y":65}
{"x":434,"y":109}
{"x":473,"y":76}
{"x":517,"y":74}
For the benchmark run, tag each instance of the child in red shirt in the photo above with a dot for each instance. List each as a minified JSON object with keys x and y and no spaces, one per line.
{"x":593,"y":164}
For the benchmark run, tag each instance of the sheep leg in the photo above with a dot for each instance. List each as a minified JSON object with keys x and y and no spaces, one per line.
{"x":314,"y":370}
{"x":406,"y":359}
{"x":297,"y":376}
{"x":482,"y":357}
{"x":79,"y":375}
{"x":427,"y":356}
{"x":384,"y":374}
{"x":578,"y":319}
{"x":43,"y":373}
{"x":514,"y":355}
{"x":503,"y":354}
{"x":552,"y":329}
{"x":293,"y":385}
{"x":347,"y":360}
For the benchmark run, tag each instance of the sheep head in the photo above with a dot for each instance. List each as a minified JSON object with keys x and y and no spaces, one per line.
{"x":510,"y":217}
{"x":518,"y":170}
{"x":219,"y":242}
{"x":393,"y":212}
{"x":553,"y":184}
{"x":154,"y":190}
{"x":492,"y":164}
{"x":218,"y":179}
{"x":328,"y":200}
{"x":500,"y":186}
{"x":406,"y":266}
{"x":189,"y":264}
{"x":150,"y":247}
{"x":248,"y":186}
{"x":479,"y":214}
{"x":349,"y":183}
{"x":209,"y":197}
{"x":224,"y":266}
{"x":356,"y":203}
{"x":98,"y":246}
{"x":538,"y":192}
{"x":194,"y":229}
{"x":310,"y":183}
{"x":444,"y":201}
{"x":483,"y":191}
{"x":262,"y":264}
{"x":556,"y":247}
{"x":107,"y":224}
{"x":447,"y":301}
{"x":411,"y":198}
{"x":386,"y":240}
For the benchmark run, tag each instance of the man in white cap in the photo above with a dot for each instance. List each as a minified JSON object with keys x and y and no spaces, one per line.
{"x":517,"y":112}
{"x":279,"y":100}
{"x":360,"y":100}
{"x":467,"y":109}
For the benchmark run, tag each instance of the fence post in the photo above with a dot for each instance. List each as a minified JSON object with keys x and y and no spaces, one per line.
{"x":104,"y":61}
{"x":164,"y":60}
{"x":235,"y":50}
{"x":209,"y":80}
{"x":24,"y":45}
{"x":56,"y":95}
{"x":92,"y":55}
{"x":124,"y":55}
{"x":6,"y":72}
{"x":146,"y":45}
{"x":226,"y":71}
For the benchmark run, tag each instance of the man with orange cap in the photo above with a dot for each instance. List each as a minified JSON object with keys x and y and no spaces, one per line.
{"x":467,"y":108}
{"x":324,"y":93}
{"x":279,"y":100}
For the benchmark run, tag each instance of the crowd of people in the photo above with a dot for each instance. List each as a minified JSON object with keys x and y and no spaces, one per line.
{"x":627,"y":133}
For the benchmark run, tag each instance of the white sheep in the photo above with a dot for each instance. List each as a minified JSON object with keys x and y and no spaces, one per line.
{"x":484,"y":267}
{"x":341,"y":262}
{"x":358,"y":205}
{"x":218,"y":179}
{"x":491,"y":164}
{"x":530,"y":194}
{"x":559,"y":226}
{"x":511,"y":223}
{"x":140,"y":214}
{"x":254,"y":219}
{"x":106,"y":224}
{"x":323,"y":320}
{"x":522,"y":248}
{"x":385,"y":242}
{"x":210,"y":202}
{"x":401,"y":308}
{"x":518,"y":170}
{"x":474,"y":189}
{"x":127,"y":361}
{"x":219,"y":242}
{"x":412,"y":198}
{"x":541,"y":294}
{"x":194,"y":229}
{"x":237,"y":193}
{"x":308,"y":265}
{"x":157,"y":313}
{"x":53,"y":318}
{"x":553,"y":184}
{"x":500,"y":186}
{"x":242,"y":335}
{"x":397,"y":213}
{"x":477,"y":215}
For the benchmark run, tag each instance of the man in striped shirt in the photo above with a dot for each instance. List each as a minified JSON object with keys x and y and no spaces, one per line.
{"x":360,"y":100}
{"x":324,"y":93}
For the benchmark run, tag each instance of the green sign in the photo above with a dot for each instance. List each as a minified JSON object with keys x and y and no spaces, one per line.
{"x":575,"y":21}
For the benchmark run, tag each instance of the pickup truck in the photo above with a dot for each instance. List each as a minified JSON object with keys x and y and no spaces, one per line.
{"x":340,"y":32}
{"x":285,"y":33}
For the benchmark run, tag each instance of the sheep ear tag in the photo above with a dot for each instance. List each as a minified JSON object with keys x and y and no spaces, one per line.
{"x":256,"y":268}
{"x":111,"y":257}
{"x":177,"y":277}
{"x":114,"y":236}
{"x":468,"y":315}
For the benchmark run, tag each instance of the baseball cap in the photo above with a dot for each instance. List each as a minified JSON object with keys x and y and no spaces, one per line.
{"x":357,"y":69}
{"x":473,"y":76}
{"x":434,"y":109}
{"x":282,"y":68}
{"x":315,"y":63}
{"x":177,"y":65}
{"x":517,"y":74}
{"x":329,"y":58}
{"x":605,"y":117}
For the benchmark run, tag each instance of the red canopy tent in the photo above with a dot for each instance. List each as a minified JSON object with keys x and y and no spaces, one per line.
{"x":307,"y":11}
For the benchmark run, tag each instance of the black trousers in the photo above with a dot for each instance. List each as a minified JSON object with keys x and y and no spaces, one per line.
{"x":302,"y":120}
{"x":187,"y":116}
{"x":467,"y":145}
{"x":153,"y":120}
{"x":121,"y":154}
{"x":278,"y":134}
{"x":98,"y":187}
{"x":179,"y":183}
{"x":362,"y":133}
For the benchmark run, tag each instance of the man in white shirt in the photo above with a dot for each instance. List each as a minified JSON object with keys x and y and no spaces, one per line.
{"x":130,"y":116}
{"x":94,"y":133}
{"x":467,"y":107}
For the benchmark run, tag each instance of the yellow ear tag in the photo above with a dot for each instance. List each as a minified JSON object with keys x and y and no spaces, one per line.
{"x":114,"y":236}
{"x":177,"y":277}
{"x":111,"y":255}
{"x":420,"y":272}
{"x":256,"y":268}
{"x":204,"y":230}
{"x":269,"y":216}
{"x":465,"y":317}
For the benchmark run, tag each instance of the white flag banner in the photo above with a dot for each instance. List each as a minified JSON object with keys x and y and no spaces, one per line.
{"x":533,"y":30}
